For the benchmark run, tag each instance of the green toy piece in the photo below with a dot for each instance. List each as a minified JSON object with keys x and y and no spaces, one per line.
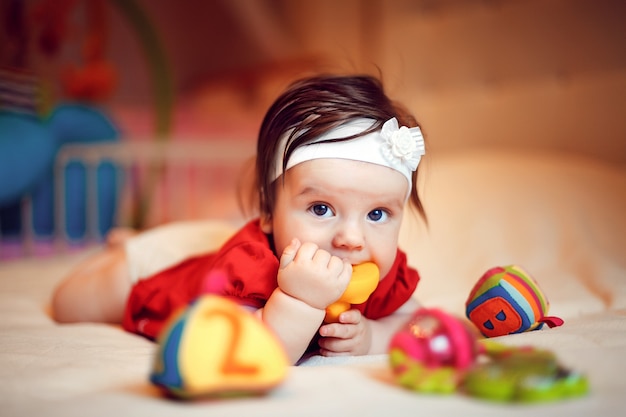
{"x":522,"y":375}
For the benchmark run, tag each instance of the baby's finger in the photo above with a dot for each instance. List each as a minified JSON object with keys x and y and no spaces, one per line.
{"x":352,"y":316}
{"x":328,"y":353}
{"x":342,"y":268}
{"x":306,"y":251}
{"x":289,"y":253}
{"x":322,"y":258}
{"x":346,"y":273}
{"x":334,"y":346}
{"x":337,"y":331}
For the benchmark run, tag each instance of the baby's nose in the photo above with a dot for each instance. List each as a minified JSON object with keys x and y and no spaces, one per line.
{"x":349,"y":235}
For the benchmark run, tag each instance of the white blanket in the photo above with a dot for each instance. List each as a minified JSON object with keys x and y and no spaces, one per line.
{"x":562,"y":219}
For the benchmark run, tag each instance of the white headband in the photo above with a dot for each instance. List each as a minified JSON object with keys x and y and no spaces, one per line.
{"x":399,"y":148}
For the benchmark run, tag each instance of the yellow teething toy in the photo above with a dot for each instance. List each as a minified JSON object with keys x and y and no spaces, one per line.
{"x":364,"y":280}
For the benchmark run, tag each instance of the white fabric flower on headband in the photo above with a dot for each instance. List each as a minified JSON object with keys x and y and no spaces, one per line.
{"x":402,"y":145}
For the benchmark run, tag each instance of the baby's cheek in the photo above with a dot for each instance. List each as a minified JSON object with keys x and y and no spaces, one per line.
{"x":385,"y":260}
{"x":384,"y":270}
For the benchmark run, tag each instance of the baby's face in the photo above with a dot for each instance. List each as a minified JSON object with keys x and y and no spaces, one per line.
{"x":351,"y":209}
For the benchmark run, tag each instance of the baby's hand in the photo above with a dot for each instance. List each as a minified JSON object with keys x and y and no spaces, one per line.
{"x":351,"y":336}
{"x":312,"y":275}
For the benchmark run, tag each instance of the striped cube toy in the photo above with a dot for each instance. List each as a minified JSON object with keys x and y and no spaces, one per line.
{"x":508,"y":300}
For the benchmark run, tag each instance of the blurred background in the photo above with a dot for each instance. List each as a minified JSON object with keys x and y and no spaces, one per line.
{"x":539,"y":73}
{"x":534,"y":75}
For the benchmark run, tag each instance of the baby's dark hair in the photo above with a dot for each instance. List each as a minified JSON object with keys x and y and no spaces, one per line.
{"x":313,"y":106}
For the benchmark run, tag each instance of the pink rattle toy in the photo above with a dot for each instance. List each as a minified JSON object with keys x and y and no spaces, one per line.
{"x":427,"y":352}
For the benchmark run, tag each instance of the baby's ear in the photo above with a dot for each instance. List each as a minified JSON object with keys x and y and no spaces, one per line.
{"x":266,"y":223}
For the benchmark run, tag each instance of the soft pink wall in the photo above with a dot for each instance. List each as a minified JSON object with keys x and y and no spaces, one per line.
{"x":540,"y":74}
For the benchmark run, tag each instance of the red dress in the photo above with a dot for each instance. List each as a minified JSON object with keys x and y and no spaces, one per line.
{"x":251,"y":267}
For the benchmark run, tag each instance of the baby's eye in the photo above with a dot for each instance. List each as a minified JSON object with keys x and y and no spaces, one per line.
{"x":321,"y":210}
{"x":378,"y":215}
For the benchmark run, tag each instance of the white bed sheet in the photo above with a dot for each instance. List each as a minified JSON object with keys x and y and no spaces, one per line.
{"x":560,"y":218}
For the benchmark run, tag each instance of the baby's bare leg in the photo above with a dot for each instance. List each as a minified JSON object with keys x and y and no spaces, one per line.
{"x":95,"y":291}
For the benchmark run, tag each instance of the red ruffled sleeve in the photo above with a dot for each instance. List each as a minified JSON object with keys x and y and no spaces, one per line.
{"x":250,"y":268}
{"x":250,"y":271}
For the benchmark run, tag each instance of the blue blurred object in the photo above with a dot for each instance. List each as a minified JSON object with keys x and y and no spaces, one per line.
{"x":11,"y":230}
{"x":76,"y":191}
{"x":80,"y":123}
{"x":109,"y":177}
{"x":42,"y":205}
{"x":27,"y":150}
{"x":11,"y":221}
{"x":75,"y":200}
{"x":28,"y":147}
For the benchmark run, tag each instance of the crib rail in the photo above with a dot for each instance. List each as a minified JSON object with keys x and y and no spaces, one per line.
{"x":94,"y":187}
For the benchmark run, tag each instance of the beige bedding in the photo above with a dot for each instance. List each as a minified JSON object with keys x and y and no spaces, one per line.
{"x":561,"y":218}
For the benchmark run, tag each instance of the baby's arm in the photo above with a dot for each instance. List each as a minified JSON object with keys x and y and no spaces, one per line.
{"x":293,"y":321}
{"x":383,"y":329}
{"x":357,"y":335}
{"x":309,"y":279}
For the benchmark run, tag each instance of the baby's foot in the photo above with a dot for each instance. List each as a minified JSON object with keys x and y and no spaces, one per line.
{"x":119,"y":235}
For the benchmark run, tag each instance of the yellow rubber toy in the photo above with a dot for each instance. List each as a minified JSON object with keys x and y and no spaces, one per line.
{"x":364,"y":281}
